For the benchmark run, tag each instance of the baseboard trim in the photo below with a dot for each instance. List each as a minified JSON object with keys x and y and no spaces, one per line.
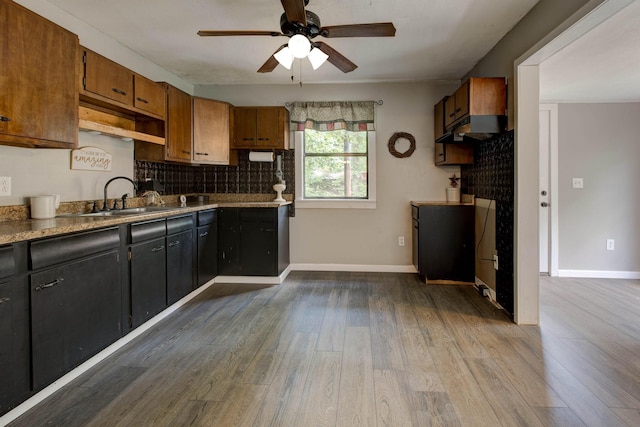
{"x":254,"y":280}
{"x":599,"y":274}
{"x":93,"y":361}
{"x":355,"y":268}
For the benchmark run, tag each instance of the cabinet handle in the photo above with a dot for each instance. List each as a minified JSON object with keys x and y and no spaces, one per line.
{"x":157,"y":249}
{"x":4,"y":119}
{"x":142,"y":100}
{"x":204,"y":234}
{"x":440,"y":154}
{"x":121,"y":92}
{"x":263,"y":139}
{"x":50,"y":284}
{"x":186,"y":152}
{"x":3,"y":300}
{"x":458,"y":110}
{"x":176,"y":243}
{"x":247,"y":139}
{"x":202,"y":154}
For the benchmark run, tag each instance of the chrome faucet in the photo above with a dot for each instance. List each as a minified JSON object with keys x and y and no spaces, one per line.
{"x":105,"y":207}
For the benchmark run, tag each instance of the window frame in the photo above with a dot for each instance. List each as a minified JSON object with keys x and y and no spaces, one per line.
{"x":311,"y":203}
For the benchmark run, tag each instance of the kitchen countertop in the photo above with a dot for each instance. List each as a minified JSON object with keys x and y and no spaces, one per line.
{"x":29,"y":229}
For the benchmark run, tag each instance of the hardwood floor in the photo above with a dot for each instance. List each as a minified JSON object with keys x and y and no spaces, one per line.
{"x":360,"y":349}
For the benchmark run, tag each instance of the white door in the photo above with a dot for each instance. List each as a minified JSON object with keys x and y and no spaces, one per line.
{"x":544,"y":189}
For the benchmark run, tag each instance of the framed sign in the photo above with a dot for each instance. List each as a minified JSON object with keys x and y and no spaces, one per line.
{"x":90,"y":159}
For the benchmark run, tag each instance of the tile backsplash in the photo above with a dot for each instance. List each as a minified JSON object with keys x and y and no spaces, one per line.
{"x":246,"y":178}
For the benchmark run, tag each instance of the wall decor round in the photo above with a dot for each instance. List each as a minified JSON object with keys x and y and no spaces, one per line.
{"x":392,"y":144}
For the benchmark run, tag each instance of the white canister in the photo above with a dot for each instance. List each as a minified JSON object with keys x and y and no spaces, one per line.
{"x":453,"y":194}
{"x":44,"y":207}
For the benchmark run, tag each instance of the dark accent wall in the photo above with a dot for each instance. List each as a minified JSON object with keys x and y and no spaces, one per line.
{"x":246,"y":178}
{"x":492,"y":176}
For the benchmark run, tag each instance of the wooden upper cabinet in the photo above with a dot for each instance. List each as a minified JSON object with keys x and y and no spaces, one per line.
{"x":438,"y":118}
{"x":478,"y":96}
{"x":106,"y":78}
{"x":149,"y":96}
{"x":38,"y":84}
{"x":178,"y":125}
{"x":211,"y":131}
{"x":261,"y":128}
{"x":110,"y":85}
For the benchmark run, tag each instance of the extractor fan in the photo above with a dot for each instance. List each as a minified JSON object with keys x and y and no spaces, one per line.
{"x":302,"y":26}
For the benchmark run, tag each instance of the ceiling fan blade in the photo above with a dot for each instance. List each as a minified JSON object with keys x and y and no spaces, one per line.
{"x":207,"y":33}
{"x":336,"y":58}
{"x":294,"y":9}
{"x":271,"y":63}
{"x":382,"y":29}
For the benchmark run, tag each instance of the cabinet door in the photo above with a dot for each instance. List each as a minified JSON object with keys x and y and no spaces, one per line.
{"x":269,"y":127}
{"x":150,"y":96}
{"x":245,"y":127}
{"x":449,"y":111}
{"x":108,"y":79}
{"x":148,"y":280}
{"x":179,"y":265}
{"x":178,"y":126}
{"x":207,"y":253}
{"x":38,"y":85}
{"x":228,"y":242}
{"x":453,"y":154}
{"x":438,"y":119}
{"x":210,"y":131}
{"x":258,"y":242}
{"x":75,"y":312}
{"x":462,"y":100}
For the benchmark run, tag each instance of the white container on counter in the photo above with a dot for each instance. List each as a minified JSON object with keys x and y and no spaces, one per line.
{"x":453,"y":194}
{"x":44,"y":207}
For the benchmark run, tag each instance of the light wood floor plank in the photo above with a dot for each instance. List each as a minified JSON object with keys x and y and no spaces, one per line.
{"x":319,"y":403}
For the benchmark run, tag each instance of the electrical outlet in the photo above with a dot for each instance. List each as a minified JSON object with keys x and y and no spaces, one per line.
{"x":495,"y":262}
{"x":611,"y":244}
{"x":577,"y":183}
{"x":5,"y":185}
{"x":401,"y":241}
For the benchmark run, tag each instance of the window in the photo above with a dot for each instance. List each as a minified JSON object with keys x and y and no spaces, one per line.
{"x":335,"y":154}
{"x":335,"y":169}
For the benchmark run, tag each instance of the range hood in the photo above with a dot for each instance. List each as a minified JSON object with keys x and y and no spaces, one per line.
{"x":478,"y":127}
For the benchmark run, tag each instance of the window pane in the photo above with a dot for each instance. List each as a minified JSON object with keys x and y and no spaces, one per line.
{"x":335,"y":177}
{"x":335,"y":142}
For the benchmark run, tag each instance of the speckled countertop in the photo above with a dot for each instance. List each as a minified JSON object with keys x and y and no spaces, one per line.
{"x":465,"y":200}
{"x":29,"y":229}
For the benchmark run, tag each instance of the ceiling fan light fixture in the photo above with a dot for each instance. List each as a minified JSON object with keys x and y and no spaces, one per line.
{"x":299,"y":46}
{"x":317,"y":58}
{"x":284,"y":57}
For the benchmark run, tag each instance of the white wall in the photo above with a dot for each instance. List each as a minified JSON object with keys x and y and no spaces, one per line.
{"x":361,"y":236}
{"x":601,"y":144}
{"x":45,"y":171}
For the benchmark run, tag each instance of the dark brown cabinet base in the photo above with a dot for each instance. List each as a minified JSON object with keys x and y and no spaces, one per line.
{"x":443,"y":239}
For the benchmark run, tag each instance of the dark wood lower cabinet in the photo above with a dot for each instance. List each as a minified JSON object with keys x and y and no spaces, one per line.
{"x":207,"y":233}
{"x":253,"y":241}
{"x":148,"y":280}
{"x":15,"y":355}
{"x":179,"y":265}
{"x":443,"y":242}
{"x":75,"y":312}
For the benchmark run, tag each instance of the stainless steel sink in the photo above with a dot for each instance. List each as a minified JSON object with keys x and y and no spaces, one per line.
{"x":120,"y":212}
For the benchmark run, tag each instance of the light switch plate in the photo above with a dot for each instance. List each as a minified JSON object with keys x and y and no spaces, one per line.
{"x":5,"y":185}
{"x":577,"y":183}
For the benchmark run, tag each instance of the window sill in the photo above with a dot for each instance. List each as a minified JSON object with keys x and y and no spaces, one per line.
{"x":335,"y":204}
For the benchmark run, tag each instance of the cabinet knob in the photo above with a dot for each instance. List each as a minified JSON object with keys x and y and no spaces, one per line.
{"x":4,"y":119}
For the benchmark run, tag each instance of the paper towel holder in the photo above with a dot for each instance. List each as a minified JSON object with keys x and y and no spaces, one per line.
{"x":261,"y":156}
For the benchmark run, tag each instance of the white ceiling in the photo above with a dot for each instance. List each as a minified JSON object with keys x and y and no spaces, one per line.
{"x":435,"y":39}
{"x":601,"y":66}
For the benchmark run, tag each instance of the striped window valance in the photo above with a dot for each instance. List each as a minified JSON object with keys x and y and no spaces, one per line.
{"x":333,"y":115}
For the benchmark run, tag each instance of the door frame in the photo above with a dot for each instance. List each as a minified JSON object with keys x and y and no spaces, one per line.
{"x":553,"y":187}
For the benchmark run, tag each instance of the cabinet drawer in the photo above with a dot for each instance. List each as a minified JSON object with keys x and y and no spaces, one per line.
{"x":207,"y":217}
{"x":180,"y":223}
{"x":142,"y":231}
{"x":44,"y":253}
{"x":7,"y":262}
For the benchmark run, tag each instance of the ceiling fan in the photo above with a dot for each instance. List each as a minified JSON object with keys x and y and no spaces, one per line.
{"x":302,"y":26}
